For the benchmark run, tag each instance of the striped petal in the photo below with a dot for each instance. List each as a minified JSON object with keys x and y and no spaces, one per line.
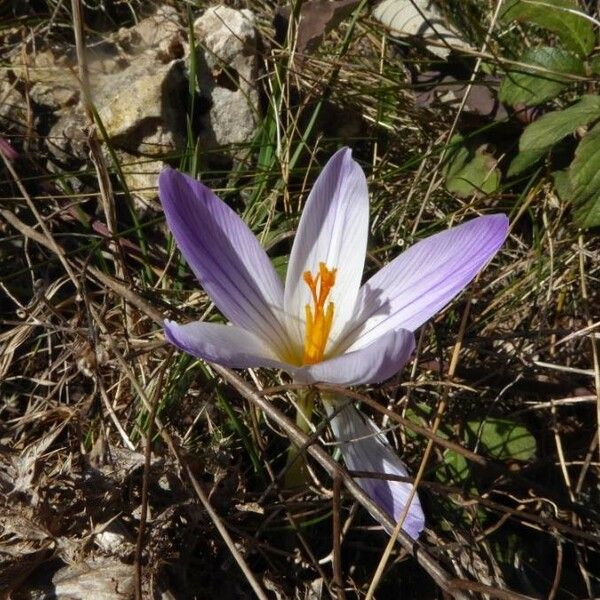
{"x":333,"y":230}
{"x":365,"y":448}
{"x":225,"y":256}
{"x":423,"y":279}
{"x":225,"y":345}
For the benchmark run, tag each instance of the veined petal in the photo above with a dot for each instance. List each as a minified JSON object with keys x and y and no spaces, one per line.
{"x":226,"y":345}
{"x":333,"y":230}
{"x":371,"y":364}
{"x":225,"y":256}
{"x":424,"y":278}
{"x":365,"y":448}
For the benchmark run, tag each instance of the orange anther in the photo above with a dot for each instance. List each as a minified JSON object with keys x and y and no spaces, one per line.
{"x":318,"y":318}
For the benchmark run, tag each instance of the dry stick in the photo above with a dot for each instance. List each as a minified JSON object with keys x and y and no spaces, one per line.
{"x":121,"y":289}
{"x":106,"y":191}
{"x":596,"y":363}
{"x":145,"y":481}
{"x":595,"y":357}
{"x":438,"y":419}
{"x":338,"y":578}
{"x":427,"y":562}
{"x":433,"y":182}
{"x":586,"y":463}
{"x":113,"y":416}
{"x":558,"y":572}
{"x":183,"y":464}
{"x":49,"y":241}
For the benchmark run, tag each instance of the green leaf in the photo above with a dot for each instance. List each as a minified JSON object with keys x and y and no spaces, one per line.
{"x":524,"y":161}
{"x":563,"y":17}
{"x":554,"y":126}
{"x":504,"y":439}
{"x":584,"y":174}
{"x":473,"y":174}
{"x":454,"y":469}
{"x":594,"y":64}
{"x":562,"y":184}
{"x":280,"y":264}
{"x":532,"y":86}
{"x":457,"y":157}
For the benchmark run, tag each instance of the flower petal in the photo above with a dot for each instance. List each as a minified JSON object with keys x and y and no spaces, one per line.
{"x":424,"y":278}
{"x":365,"y":448}
{"x":226,"y":345}
{"x":225,"y":256}
{"x":333,"y":229}
{"x":371,"y":364}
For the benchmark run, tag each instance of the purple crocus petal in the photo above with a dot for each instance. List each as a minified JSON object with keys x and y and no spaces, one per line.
{"x":365,"y":448}
{"x":333,"y":230}
{"x":9,"y":152}
{"x":226,"y":345}
{"x":371,"y":364}
{"x":423,"y":279}
{"x":226,"y":257}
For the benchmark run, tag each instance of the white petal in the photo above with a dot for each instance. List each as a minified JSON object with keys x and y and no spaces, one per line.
{"x":226,"y":345}
{"x":423,"y":279}
{"x":365,"y":448}
{"x":333,"y":230}
{"x":373,"y":363}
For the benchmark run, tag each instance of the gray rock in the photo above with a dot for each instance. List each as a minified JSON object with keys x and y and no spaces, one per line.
{"x":226,"y":40}
{"x":13,"y":111}
{"x":67,"y":141}
{"x":137,"y":82}
{"x":161,"y":33}
{"x":141,"y":174}
{"x":51,"y":78}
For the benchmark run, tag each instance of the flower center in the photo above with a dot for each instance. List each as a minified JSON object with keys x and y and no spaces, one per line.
{"x":318,"y":317}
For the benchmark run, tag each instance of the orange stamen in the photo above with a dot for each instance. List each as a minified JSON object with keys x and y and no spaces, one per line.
{"x":318,"y":317}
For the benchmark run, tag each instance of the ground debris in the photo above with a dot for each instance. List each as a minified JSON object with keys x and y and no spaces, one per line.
{"x":100,"y":578}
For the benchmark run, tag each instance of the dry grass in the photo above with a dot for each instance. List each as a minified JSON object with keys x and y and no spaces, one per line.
{"x":160,"y":472}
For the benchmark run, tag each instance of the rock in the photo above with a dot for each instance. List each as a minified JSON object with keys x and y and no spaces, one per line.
{"x":136,"y":83}
{"x":113,"y":541}
{"x":141,"y":175}
{"x":13,"y":111}
{"x":100,"y":578}
{"x":51,"y":79}
{"x":228,"y":35}
{"x":226,"y":41}
{"x":161,"y":33}
{"x":67,"y":140}
{"x":141,"y":107}
{"x":141,"y":103}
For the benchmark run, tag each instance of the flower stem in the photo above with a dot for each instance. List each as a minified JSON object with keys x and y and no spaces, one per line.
{"x":297,"y":474}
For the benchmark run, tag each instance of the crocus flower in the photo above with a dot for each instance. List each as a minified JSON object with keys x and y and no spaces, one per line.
{"x":322,"y":326}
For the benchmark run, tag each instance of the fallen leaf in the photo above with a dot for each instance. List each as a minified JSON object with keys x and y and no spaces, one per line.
{"x":317,"y":17}
{"x":420,"y":19}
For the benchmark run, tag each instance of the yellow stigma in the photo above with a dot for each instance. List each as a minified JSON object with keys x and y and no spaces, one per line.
{"x":318,"y":318}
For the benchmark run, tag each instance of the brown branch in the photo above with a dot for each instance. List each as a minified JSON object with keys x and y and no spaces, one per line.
{"x":296,"y":436}
{"x":145,"y":482}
